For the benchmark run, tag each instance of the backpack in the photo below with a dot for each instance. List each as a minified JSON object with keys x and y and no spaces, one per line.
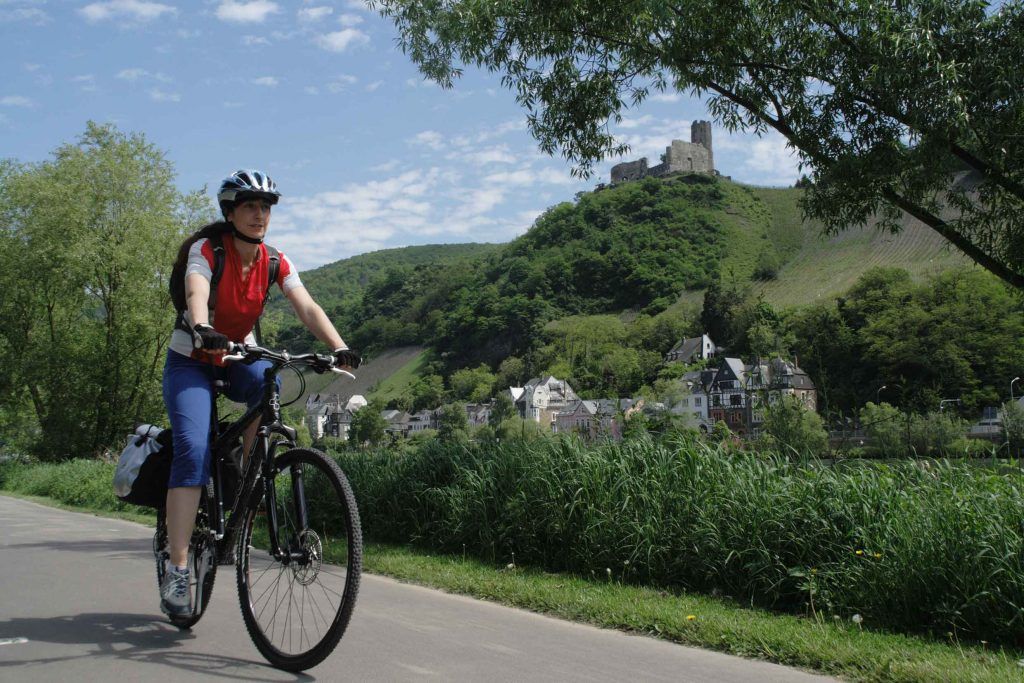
{"x":177,"y":281}
{"x":144,"y":467}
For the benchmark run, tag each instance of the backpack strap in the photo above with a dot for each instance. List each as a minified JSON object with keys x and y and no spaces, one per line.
{"x":217,"y":243}
{"x":274,"y":267}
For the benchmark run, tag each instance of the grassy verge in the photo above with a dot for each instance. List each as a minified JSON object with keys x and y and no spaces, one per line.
{"x":835,"y":647}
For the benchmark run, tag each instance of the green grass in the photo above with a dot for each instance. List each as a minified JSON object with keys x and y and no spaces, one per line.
{"x":838,"y":648}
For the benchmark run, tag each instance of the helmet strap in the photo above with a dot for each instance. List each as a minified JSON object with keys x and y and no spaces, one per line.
{"x":245,"y":238}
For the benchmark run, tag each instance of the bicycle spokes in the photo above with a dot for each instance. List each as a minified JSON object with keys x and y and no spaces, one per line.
{"x":299,"y":587}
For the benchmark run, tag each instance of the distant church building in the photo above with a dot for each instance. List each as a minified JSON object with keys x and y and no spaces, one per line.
{"x":695,"y":156}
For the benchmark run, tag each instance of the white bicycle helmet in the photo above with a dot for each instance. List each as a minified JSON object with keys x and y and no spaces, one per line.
{"x":246,"y":184}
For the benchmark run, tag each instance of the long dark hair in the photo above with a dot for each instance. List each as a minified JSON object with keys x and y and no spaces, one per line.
{"x":177,"y":283}
{"x":204,"y":232}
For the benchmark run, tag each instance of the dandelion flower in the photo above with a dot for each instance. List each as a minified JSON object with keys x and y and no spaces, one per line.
{"x":510,"y":565}
{"x":860,"y":552}
{"x":857,"y":619}
{"x":691,"y":617}
{"x":877,"y":555}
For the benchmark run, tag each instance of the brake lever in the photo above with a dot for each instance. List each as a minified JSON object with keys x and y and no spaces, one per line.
{"x":232,"y":357}
{"x":343,"y":372}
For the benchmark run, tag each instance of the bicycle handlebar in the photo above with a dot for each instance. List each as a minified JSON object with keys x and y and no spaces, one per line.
{"x":319,"y":362}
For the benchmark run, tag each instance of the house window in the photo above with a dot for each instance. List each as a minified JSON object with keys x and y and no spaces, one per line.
{"x":717,"y":400}
{"x":685,"y":402}
{"x":735,"y":400}
{"x":696,"y":401}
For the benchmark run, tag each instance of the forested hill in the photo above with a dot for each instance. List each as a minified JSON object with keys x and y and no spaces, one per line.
{"x":341,"y":284}
{"x":640,"y":246}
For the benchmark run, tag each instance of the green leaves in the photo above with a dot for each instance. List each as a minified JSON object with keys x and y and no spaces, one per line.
{"x":85,"y":318}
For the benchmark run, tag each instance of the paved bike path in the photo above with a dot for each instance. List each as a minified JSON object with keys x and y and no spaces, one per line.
{"x":78,"y":602}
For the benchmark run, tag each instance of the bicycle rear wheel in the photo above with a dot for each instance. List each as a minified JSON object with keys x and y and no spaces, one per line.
{"x":201,"y":562}
{"x":296,"y":606}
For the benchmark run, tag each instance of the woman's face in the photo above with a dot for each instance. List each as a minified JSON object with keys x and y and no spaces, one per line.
{"x":251,"y":217}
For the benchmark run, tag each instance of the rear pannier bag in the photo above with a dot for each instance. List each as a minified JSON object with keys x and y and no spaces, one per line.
{"x":144,"y":467}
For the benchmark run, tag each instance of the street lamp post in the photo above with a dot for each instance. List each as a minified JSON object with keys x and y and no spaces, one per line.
{"x":1011,"y":387}
{"x":886,"y":386}
{"x":943,"y":402}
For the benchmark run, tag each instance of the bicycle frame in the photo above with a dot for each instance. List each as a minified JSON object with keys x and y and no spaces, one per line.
{"x":258,"y":465}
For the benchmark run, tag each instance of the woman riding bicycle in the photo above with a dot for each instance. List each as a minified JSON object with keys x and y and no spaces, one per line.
{"x":207,"y":322}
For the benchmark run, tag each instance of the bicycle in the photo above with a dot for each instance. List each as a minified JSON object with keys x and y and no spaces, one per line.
{"x":292,"y":530}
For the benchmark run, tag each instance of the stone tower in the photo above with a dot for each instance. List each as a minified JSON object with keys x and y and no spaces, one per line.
{"x":700,"y":134}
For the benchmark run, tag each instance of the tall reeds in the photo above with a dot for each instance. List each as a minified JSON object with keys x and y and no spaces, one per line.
{"x":934,"y":547}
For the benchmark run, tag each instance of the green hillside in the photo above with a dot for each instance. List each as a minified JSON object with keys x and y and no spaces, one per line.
{"x":816,"y":268}
{"x":643,"y":251}
{"x":341,"y":284}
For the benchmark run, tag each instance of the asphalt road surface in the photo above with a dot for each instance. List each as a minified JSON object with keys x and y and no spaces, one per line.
{"x":78,"y":602}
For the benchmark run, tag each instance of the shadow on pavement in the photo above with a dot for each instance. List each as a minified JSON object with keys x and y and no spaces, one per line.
{"x":136,"y":637}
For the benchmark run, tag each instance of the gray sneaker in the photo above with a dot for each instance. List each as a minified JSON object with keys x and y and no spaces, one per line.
{"x":175,"y":593}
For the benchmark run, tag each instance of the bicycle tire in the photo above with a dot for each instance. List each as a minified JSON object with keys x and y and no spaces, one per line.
{"x":332,"y":512}
{"x":198,"y":543}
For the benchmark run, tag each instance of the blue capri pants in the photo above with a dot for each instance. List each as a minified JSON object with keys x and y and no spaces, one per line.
{"x":188,"y":395}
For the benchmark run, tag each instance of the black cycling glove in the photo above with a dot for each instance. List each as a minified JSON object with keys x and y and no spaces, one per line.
{"x":347,"y":357}
{"x":208,"y":339}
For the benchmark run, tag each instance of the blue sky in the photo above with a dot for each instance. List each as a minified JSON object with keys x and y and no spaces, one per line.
{"x":367,"y":153}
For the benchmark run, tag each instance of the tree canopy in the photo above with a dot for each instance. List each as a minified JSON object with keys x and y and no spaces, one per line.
{"x":894,"y":106}
{"x":89,"y":237}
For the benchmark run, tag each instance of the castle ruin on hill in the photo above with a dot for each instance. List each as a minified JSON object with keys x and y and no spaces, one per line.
{"x":695,"y":156}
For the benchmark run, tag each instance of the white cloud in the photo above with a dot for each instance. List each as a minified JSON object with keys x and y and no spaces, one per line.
{"x":665,"y":97}
{"x":314,"y":13}
{"x":266,"y":81}
{"x":370,"y":87}
{"x":254,"y":40}
{"x":428,"y":138}
{"x":769,"y":161}
{"x":339,"y":41}
{"x":86,"y":82}
{"x":629,"y":122}
{"x":30,"y":67}
{"x":341,"y":83}
{"x":33,"y":15}
{"x":158,"y":95}
{"x":350,"y":20}
{"x":386,"y":167}
{"x":246,"y":12}
{"x":311,"y":90}
{"x":137,"y":10}
{"x":484,"y":157}
{"x":135,"y":74}
{"x":16,"y":101}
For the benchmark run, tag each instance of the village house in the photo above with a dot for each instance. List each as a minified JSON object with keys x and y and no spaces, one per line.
{"x":328,"y":416}
{"x":692,"y":350}
{"x":593,"y":418}
{"x":423,"y":420}
{"x":397,"y":423}
{"x":768,"y":382}
{"x":478,"y":414}
{"x":727,"y":395}
{"x":540,"y":398}
{"x":693,"y":404}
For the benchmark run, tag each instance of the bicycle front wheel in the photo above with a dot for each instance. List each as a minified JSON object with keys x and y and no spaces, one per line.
{"x":297,"y":602}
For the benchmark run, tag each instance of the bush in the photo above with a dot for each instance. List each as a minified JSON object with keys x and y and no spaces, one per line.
{"x":791,"y":427}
